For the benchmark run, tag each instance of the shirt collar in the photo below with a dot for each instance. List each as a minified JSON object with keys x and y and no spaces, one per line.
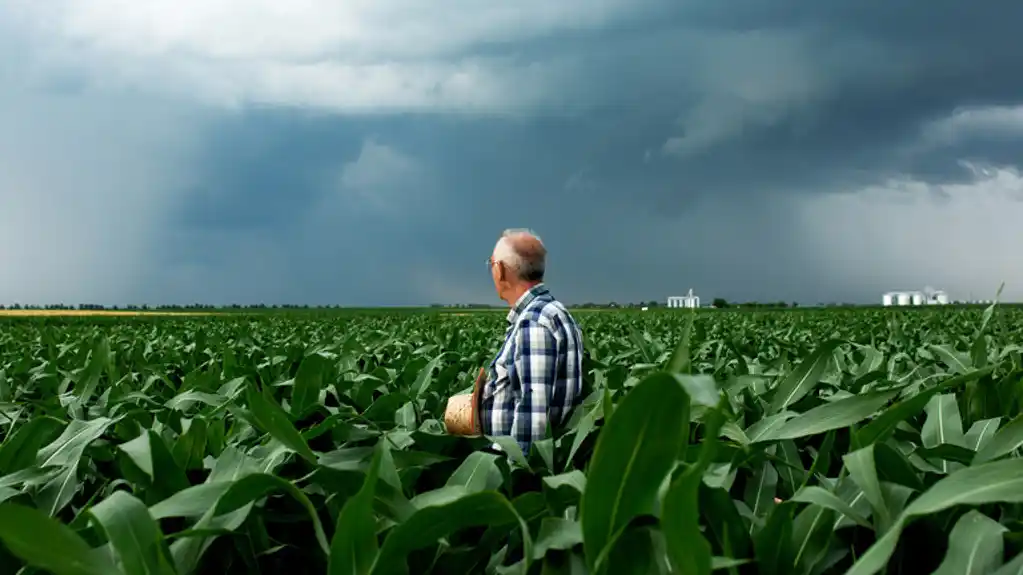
{"x":526,"y":299}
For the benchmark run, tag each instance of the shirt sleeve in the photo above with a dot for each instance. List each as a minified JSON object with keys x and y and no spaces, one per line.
{"x":536,"y":366}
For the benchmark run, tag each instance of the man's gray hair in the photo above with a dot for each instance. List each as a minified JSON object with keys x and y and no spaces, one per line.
{"x":523,"y":251}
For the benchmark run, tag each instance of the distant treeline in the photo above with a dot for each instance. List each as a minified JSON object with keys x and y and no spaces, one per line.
{"x":718,"y":303}
{"x":168,"y":307}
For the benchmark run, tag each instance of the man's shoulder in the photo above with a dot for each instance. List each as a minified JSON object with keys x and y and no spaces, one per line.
{"x":549,"y":313}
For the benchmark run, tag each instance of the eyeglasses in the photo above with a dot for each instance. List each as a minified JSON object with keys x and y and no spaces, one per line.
{"x":490,"y":262}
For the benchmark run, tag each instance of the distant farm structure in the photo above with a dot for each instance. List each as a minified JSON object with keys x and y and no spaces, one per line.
{"x":927,"y":296}
{"x":687,"y":301}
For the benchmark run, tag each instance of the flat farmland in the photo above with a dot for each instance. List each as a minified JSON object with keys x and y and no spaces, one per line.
{"x":810,"y":442}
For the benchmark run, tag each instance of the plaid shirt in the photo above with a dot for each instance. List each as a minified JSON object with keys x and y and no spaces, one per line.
{"x":536,"y":377}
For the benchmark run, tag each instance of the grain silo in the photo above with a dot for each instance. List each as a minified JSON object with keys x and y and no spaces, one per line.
{"x":940,"y":297}
{"x":903,"y":298}
{"x":918,"y":298}
{"x":687,"y":301}
{"x":887,"y":299}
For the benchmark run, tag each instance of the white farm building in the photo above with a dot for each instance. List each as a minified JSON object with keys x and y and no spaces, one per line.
{"x":688,"y":301}
{"x":927,"y":296}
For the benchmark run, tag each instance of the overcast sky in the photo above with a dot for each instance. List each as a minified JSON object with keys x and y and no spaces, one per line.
{"x":371,"y":151}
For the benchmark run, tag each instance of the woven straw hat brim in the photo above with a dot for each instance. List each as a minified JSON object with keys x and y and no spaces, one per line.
{"x":460,"y":416}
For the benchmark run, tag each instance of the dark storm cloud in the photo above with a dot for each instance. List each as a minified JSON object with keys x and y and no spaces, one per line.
{"x":484,"y":176}
{"x":875,"y":74}
{"x":262,"y":168}
{"x":668,"y":148}
{"x":856,"y":125}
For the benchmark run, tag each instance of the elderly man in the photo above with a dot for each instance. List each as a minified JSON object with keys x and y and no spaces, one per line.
{"x":536,"y":377}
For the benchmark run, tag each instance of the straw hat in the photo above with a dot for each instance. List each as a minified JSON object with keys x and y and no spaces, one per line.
{"x":462,"y":414}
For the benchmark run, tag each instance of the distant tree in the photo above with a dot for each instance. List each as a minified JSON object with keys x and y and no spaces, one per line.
{"x":720,"y":302}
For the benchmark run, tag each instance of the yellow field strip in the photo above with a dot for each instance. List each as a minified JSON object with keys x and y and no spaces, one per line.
{"x":89,"y":312}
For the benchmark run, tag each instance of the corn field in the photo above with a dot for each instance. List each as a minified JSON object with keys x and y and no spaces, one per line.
{"x":802,"y":442}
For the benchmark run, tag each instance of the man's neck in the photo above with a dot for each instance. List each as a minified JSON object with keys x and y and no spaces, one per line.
{"x":519,"y":291}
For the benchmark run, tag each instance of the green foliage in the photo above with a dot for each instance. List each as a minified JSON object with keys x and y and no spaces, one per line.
{"x":811,"y":442}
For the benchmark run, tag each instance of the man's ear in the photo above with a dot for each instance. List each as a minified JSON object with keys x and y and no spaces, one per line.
{"x":500,"y":271}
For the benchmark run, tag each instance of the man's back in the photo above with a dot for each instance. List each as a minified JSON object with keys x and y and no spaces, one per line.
{"x":537,"y":374}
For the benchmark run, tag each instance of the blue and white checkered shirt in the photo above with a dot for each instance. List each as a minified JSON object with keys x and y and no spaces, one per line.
{"x":536,"y":377}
